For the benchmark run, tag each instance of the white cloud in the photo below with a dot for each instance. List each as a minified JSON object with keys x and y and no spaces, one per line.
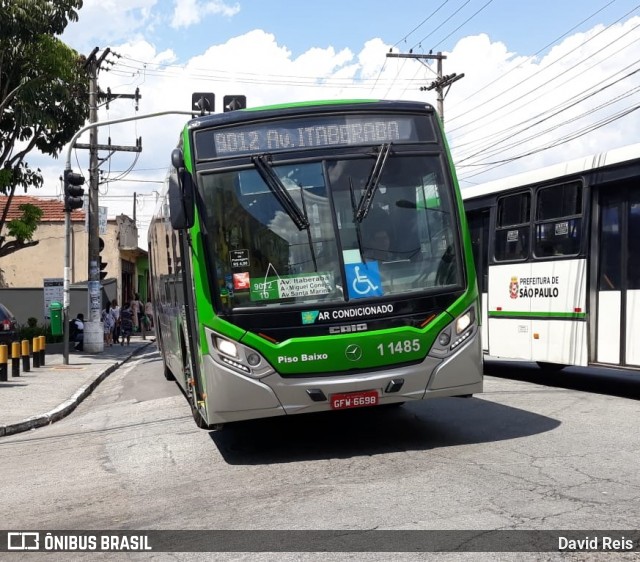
{"x":507,"y":106}
{"x":190,"y":12}
{"x":111,"y":21}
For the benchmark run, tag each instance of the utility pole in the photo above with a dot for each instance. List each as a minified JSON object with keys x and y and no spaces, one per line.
{"x":109,"y":96}
{"x":93,"y":329}
{"x":71,"y":179}
{"x":440,"y":83}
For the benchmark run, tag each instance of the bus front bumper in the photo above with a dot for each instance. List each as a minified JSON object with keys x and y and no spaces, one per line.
{"x":232,"y":396}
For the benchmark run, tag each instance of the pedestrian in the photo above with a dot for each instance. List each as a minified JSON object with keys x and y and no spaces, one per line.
{"x":148,"y":311}
{"x":76,"y":332}
{"x":115,"y":310}
{"x":107,"y":324}
{"x":136,"y":309}
{"x":143,"y":320}
{"x":126,"y":322}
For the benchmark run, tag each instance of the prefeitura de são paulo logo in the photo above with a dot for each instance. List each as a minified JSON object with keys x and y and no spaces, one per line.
{"x":513,"y":288}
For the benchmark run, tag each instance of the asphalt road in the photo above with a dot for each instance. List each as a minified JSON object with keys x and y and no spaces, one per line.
{"x":519,"y":456}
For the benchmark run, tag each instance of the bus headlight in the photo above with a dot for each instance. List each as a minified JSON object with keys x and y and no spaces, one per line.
{"x":227,"y":347}
{"x":455,"y":334}
{"x":464,"y":321}
{"x":238,"y":357}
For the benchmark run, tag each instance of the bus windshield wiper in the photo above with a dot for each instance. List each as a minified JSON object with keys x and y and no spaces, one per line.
{"x":372,"y":183}
{"x":280,"y":191}
{"x":358,"y":231}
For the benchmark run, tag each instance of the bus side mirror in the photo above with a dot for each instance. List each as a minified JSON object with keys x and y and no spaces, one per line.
{"x":181,"y":199}
{"x":177,"y":158}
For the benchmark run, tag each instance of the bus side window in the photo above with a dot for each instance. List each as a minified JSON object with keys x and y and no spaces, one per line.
{"x":479,"y":228}
{"x":513,"y":227}
{"x":633,"y":267}
{"x":610,"y":244}
{"x":558,"y":220}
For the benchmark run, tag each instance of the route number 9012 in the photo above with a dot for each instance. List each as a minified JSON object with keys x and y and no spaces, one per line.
{"x":398,"y":347}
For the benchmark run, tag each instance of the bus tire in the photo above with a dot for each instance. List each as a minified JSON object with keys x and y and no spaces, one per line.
{"x":191,"y":393}
{"x":550,"y":367}
{"x":200,"y":422}
{"x":197,"y":417}
{"x":168,"y":374}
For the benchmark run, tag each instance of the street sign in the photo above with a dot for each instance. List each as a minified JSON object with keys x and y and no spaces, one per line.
{"x":53,"y":292}
{"x":102,"y":220}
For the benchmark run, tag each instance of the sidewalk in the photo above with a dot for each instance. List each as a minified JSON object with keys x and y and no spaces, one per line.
{"x":47,"y":394}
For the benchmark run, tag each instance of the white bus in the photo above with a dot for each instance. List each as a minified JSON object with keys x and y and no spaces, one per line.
{"x":557,"y":253}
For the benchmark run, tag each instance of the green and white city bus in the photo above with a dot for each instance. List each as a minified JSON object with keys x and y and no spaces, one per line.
{"x":311,"y":257}
{"x":558,"y":258}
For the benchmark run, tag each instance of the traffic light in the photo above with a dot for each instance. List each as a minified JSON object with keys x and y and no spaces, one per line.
{"x":203,"y":102}
{"x":73,"y":192}
{"x":231,"y":103}
{"x":103,"y":264}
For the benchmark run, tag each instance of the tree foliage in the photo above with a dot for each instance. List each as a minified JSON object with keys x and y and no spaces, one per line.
{"x":43,"y":100}
{"x":22,"y":229}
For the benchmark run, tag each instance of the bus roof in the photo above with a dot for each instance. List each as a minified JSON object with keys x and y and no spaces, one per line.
{"x":556,"y":171}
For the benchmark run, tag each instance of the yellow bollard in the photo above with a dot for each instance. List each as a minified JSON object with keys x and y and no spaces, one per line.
{"x":4,"y":357}
{"x":35,"y":351}
{"x":15,"y":359}
{"x":43,"y":345}
{"x":25,"y":356}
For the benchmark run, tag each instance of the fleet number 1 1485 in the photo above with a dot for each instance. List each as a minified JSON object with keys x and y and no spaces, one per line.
{"x":395,"y":348}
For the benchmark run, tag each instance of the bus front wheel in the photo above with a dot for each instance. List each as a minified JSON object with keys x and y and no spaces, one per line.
{"x":197,"y":417}
{"x":168,"y":374}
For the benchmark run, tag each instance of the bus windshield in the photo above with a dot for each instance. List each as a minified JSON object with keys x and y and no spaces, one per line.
{"x":316,"y":250}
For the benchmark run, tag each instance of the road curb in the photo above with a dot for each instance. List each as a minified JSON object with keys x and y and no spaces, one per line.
{"x":69,"y":405}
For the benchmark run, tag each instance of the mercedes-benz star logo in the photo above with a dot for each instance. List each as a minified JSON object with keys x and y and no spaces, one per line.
{"x":353,"y":352}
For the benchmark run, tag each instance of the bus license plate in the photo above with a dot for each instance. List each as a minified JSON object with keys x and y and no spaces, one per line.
{"x":354,"y":399}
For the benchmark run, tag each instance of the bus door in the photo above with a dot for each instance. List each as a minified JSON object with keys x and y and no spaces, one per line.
{"x":479,"y":229}
{"x":618,"y":276}
{"x":508,"y":309}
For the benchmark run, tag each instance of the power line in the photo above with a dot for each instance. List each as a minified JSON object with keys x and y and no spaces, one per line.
{"x":461,"y":25}
{"x":486,"y":88}
{"x":247,"y":77}
{"x":526,"y":125}
{"x":419,"y":44}
{"x":436,"y":29}
{"x":425,"y":20}
{"x":494,"y":141}
{"x":558,"y":142}
{"x":494,"y":150}
{"x":558,"y":87}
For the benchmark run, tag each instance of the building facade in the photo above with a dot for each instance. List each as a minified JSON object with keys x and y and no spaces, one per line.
{"x":28,"y":267}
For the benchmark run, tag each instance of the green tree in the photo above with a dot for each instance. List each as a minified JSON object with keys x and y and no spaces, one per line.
{"x":43,"y":101}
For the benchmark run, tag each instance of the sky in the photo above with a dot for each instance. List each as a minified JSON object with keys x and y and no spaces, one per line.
{"x":544,"y":81}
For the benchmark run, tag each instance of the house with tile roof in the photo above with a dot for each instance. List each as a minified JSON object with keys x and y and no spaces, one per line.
{"x":29,"y":266}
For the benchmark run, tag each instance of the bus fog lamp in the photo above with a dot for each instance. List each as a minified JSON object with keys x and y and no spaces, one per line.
{"x":444,"y":338}
{"x":253,"y":359}
{"x":227,"y":347}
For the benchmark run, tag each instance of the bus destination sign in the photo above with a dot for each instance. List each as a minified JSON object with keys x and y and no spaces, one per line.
{"x":313,"y":132}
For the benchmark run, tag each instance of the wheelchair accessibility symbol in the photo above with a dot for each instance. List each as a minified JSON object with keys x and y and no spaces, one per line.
{"x":364,"y":280}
